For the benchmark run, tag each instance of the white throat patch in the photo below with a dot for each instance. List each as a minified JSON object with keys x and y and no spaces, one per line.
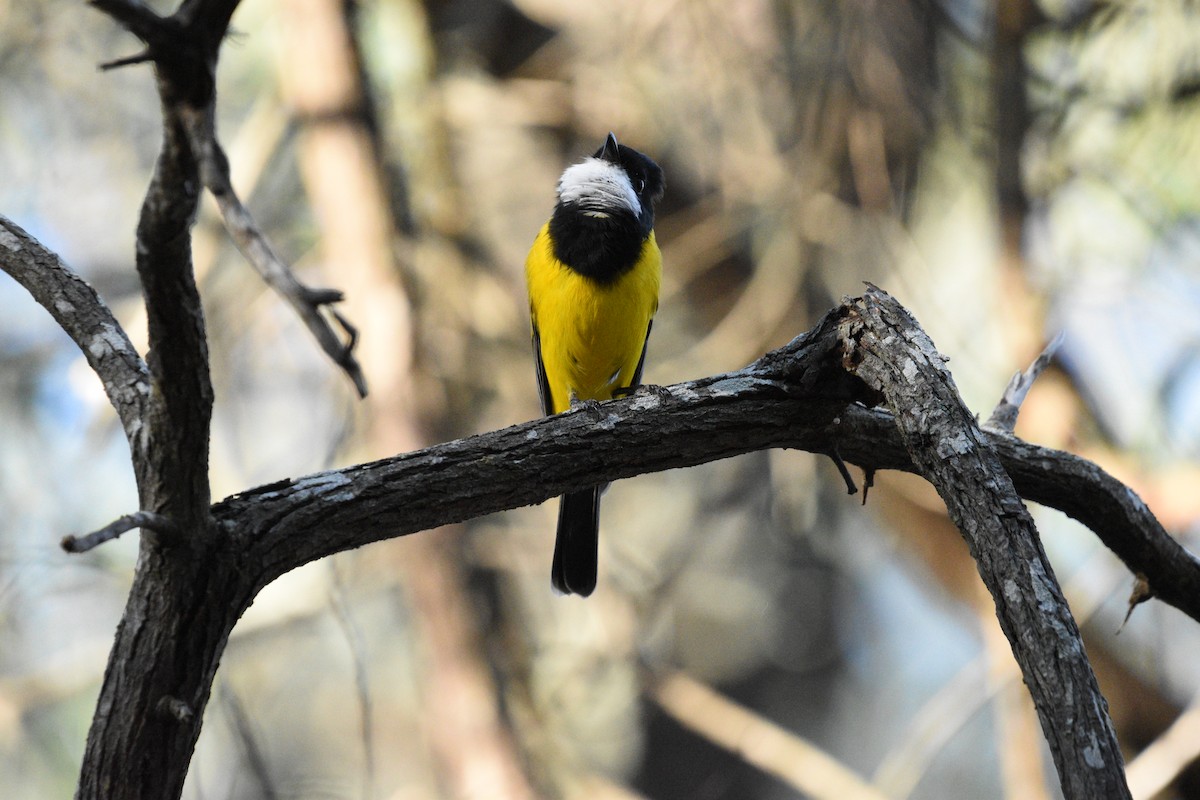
{"x":597,"y":186}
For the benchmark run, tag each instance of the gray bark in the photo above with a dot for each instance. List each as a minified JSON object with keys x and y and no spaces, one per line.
{"x":201,"y":565}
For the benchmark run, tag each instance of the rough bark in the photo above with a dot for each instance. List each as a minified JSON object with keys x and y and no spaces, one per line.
{"x":199,"y":570}
{"x":81,"y":313}
{"x":887,"y":349}
{"x":187,"y":594}
{"x":171,"y":635}
{"x":186,"y":597}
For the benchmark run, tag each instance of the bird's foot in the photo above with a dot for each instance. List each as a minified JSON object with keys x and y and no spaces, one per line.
{"x":661,"y":392}
{"x":590,"y":407}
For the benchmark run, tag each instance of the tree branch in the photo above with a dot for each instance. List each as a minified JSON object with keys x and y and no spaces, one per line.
{"x":139,"y":519}
{"x":214,"y":171}
{"x":173,"y":630}
{"x":1004,"y":417}
{"x":80,"y":312}
{"x":789,"y":398}
{"x":1062,"y":481}
{"x":798,"y":397}
{"x":795,"y":397}
{"x":184,"y":48}
{"x":181,"y":405}
{"x":886,"y":347}
{"x":186,"y":593}
{"x":134,"y":16}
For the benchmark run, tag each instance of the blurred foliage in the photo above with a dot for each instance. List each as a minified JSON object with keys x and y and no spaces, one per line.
{"x":808,"y":147}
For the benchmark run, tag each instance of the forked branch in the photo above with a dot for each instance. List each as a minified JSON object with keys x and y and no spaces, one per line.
{"x":819,"y":393}
{"x":887,"y":348}
{"x":184,"y":49}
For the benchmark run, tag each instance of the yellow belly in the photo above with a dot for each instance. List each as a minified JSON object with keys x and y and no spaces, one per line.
{"x":591,"y":334}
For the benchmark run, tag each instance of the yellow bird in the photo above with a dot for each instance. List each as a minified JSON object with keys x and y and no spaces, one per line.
{"x":593,"y":275}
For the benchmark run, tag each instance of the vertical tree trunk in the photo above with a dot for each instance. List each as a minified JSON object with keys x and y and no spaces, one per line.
{"x":172,"y":633}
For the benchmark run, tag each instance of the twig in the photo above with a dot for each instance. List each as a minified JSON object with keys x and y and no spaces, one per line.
{"x":175,"y":708}
{"x":134,"y":15}
{"x":116,"y":63}
{"x":868,"y":482}
{"x":308,"y":303}
{"x":1140,"y":593}
{"x":791,"y":758}
{"x":836,"y":458}
{"x":146,"y":520}
{"x":1004,"y":417}
{"x":184,"y":47}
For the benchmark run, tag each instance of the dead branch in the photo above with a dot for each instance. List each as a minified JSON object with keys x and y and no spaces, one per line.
{"x":791,"y":398}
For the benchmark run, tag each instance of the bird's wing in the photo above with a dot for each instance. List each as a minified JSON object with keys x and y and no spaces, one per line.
{"x":636,"y":380}
{"x":543,"y":383}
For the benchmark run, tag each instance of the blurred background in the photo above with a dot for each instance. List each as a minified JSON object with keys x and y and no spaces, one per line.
{"x":1006,"y":168}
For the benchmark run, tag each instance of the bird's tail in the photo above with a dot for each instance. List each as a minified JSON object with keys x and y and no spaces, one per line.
{"x":575,"y":545}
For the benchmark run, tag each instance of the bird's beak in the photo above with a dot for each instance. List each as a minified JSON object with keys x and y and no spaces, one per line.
{"x":609,"y":151}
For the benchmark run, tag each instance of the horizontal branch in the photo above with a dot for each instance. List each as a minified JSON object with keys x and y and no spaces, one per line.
{"x":689,"y":424}
{"x":81,"y":312}
{"x":1065,"y":482}
{"x":796,"y":397}
{"x":296,"y":521}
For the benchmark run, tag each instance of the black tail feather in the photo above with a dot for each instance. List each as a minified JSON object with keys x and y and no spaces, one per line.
{"x":577,"y":542}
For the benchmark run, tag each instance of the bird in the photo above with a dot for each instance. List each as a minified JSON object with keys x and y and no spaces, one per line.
{"x":593,"y":275}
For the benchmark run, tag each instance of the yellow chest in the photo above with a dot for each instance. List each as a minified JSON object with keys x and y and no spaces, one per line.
{"x":592,"y":334}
